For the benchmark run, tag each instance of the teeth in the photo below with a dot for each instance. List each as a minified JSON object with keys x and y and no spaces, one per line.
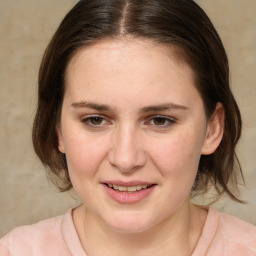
{"x":140,"y":187}
{"x":121,"y":188}
{"x":131,"y":189}
{"x":128,"y":189}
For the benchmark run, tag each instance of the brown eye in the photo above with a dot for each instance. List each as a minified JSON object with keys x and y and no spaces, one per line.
{"x":96,"y":120}
{"x":159,"y":121}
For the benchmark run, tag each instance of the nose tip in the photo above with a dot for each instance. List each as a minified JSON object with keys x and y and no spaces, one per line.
{"x":127,"y":161}
{"x":126,"y":152}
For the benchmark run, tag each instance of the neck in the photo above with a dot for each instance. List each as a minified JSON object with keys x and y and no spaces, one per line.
{"x":176,"y":235}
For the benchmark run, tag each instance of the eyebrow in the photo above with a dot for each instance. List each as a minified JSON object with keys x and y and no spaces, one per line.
{"x":153,"y":108}
{"x":163,"y":107}
{"x":99,"y":107}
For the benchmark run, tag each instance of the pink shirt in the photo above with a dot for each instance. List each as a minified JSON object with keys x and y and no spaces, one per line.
{"x":223,"y":235}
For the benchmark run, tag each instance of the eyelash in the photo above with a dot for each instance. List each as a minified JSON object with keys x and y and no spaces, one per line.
{"x":167,"y":121}
{"x":88,"y":121}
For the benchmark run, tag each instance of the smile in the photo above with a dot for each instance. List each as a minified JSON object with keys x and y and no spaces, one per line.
{"x":130,"y":189}
{"x":128,"y":192}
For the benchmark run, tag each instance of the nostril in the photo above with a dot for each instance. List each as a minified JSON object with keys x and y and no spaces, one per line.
{"x":127,"y":161}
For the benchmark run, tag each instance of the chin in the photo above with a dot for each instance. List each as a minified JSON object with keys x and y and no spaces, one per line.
{"x":130,"y":223}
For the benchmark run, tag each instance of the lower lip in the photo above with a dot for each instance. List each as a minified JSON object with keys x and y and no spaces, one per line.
{"x":128,"y":198}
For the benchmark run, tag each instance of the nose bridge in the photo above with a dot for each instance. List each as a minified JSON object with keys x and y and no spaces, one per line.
{"x":127,"y":153}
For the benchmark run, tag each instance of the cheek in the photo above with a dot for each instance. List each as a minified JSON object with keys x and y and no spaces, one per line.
{"x":177,"y":160}
{"x":177,"y":156}
{"x":84,"y":155}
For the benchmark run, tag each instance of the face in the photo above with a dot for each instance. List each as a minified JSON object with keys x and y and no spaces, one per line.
{"x":133,"y":128}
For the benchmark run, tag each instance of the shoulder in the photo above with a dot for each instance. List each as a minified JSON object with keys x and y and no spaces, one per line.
{"x":34,"y":239}
{"x":237,"y":230}
{"x":238,"y":237}
{"x":238,"y":225}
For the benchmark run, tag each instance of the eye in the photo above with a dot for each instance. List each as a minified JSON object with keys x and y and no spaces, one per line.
{"x":161,"y":121}
{"x":94,"y":121}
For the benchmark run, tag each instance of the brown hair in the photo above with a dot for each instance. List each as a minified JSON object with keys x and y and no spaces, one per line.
{"x":179,"y":23}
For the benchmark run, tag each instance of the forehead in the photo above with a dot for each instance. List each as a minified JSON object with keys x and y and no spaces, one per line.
{"x":127,"y":51}
{"x":128,"y":67}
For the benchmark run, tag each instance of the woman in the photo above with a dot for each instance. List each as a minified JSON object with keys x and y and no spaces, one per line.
{"x":136,"y":114}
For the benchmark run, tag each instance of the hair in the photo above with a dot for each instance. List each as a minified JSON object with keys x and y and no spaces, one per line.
{"x":181,"y":24}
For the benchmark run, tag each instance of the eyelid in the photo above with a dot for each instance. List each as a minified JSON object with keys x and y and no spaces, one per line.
{"x":85,"y":120}
{"x":171,"y":120}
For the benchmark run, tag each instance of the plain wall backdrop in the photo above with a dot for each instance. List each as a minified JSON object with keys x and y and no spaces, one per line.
{"x":26,"y":27}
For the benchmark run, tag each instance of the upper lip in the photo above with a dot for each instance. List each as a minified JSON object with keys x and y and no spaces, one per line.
{"x":127,"y":183}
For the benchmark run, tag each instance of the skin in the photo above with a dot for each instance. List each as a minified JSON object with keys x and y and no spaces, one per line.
{"x":126,"y":142}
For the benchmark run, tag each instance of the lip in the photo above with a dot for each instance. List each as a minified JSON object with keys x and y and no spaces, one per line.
{"x":127,"y":183}
{"x":126,"y":197}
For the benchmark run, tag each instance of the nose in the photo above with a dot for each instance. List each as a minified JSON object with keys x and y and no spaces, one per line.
{"x":127,"y":153}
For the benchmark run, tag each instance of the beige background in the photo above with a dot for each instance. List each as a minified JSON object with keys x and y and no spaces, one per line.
{"x":26,"y":27}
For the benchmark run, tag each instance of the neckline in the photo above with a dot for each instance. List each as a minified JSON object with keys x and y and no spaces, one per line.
{"x":70,"y":235}
{"x":209,"y":231}
{"x":73,"y":243}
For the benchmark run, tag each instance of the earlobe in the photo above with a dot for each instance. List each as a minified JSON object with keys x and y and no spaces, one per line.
{"x":215,"y":130}
{"x":60,"y":140}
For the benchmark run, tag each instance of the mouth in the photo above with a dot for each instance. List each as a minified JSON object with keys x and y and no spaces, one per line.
{"x":128,"y":192}
{"x":128,"y":189}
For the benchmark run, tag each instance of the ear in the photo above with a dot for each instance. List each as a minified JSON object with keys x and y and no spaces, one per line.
{"x":215,"y":130}
{"x":60,"y":139}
